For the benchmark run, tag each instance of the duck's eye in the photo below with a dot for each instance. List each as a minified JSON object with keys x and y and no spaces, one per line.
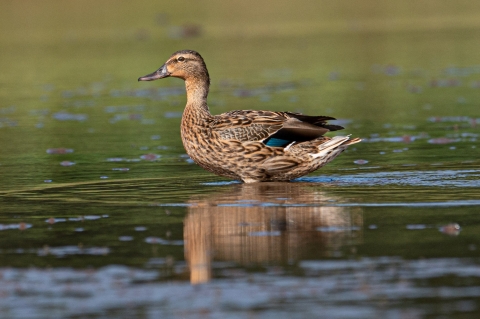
{"x":181,"y":59}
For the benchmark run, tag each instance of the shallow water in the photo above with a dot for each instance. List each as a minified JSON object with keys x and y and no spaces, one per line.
{"x":102,"y":214}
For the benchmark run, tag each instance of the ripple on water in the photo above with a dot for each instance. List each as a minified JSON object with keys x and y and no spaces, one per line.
{"x":59,"y":150}
{"x":328,"y":229}
{"x":452,"y":203}
{"x":150,"y":157}
{"x":67,"y":163}
{"x":430,"y":178}
{"x":53,"y":220}
{"x":38,"y":292}
{"x":161,"y":241}
{"x":264,"y":233}
{"x":19,"y":226}
{"x":458,"y":189}
{"x":63,"y":251}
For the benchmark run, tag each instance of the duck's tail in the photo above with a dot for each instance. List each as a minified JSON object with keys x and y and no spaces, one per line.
{"x":336,"y":142}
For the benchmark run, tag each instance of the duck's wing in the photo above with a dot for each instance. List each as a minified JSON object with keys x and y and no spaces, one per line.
{"x":276,"y":129}
{"x":247,"y":125}
{"x":320,"y":121}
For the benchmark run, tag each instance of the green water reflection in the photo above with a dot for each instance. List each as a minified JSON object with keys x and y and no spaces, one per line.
{"x":93,"y":173}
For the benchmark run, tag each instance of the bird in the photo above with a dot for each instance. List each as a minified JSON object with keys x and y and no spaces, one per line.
{"x":248,"y":145}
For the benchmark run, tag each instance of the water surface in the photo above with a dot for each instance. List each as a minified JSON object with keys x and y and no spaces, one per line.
{"x":102,"y":214}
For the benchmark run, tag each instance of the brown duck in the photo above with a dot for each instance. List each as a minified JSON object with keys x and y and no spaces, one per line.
{"x":249,"y":145}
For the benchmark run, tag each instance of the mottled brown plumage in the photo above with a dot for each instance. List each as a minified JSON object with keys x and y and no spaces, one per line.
{"x":253,"y":146}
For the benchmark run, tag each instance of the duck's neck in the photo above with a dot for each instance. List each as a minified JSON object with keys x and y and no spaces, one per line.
{"x":197,"y":92}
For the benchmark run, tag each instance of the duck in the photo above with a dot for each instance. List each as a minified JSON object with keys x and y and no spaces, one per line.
{"x":248,"y":145}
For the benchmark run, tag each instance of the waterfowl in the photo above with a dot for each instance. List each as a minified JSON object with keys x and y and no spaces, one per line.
{"x":248,"y":145}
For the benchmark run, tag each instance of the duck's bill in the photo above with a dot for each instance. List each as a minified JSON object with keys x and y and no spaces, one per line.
{"x":159,"y":74}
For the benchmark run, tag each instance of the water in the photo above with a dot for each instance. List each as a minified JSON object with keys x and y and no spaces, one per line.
{"x":102,"y":214}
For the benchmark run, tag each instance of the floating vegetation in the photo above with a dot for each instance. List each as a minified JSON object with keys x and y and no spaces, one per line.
{"x":452,"y":229}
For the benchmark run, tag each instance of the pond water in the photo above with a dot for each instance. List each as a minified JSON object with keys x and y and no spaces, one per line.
{"x":103,"y":215}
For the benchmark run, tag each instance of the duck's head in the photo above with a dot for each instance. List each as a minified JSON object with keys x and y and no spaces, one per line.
{"x":184,"y":64}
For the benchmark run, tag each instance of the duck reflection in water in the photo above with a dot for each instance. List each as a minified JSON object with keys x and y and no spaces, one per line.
{"x":267,"y":224}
